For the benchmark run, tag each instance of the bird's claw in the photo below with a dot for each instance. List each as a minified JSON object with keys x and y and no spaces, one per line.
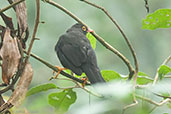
{"x":59,"y":71}
{"x":84,"y":81}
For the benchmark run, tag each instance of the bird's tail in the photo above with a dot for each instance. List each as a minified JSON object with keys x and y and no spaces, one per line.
{"x":93,"y":74}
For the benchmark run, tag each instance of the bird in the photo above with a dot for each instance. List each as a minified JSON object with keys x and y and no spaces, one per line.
{"x":76,"y":53}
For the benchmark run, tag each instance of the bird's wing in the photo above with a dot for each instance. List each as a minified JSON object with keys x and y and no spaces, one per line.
{"x":74,"y":50}
{"x":76,"y":54}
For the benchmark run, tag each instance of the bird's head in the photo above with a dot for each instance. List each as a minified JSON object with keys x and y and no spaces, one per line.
{"x":80,"y":27}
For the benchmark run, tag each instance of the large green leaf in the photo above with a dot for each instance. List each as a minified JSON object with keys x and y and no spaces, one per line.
{"x":92,"y":40}
{"x":62,"y":100}
{"x":110,"y":75}
{"x":159,"y":19}
{"x":163,"y":70}
{"x":40,"y":88}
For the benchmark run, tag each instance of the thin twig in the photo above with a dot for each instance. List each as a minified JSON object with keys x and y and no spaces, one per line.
{"x":129,"y":106}
{"x":122,"y":32}
{"x":34,"y":31}
{"x":147,"y":6}
{"x":55,"y":69}
{"x":10,"y":1}
{"x":89,"y":91}
{"x":69,"y":87}
{"x":100,"y":39}
{"x":130,"y":47}
{"x":11,"y":5}
{"x":167,"y":76}
{"x":154,"y":102}
{"x":164,"y":63}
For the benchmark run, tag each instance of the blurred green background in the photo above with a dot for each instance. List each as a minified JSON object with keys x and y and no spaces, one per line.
{"x":151,"y":47}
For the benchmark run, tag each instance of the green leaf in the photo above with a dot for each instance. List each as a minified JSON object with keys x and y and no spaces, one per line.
{"x":142,"y":80}
{"x":159,"y":19}
{"x":41,"y":88}
{"x":142,"y":74}
{"x":69,"y":72}
{"x":92,"y":40}
{"x":163,"y":70}
{"x":110,"y":75}
{"x":62,"y":100}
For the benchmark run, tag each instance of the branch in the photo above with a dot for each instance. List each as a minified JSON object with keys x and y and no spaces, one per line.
{"x":101,"y":40}
{"x":147,"y":6}
{"x":167,"y":76}
{"x":130,"y":47}
{"x":154,"y":102}
{"x":121,"y":31}
{"x":10,"y":1}
{"x":129,"y":106}
{"x":55,"y":69}
{"x":34,"y":31}
{"x":11,"y":5}
{"x":89,"y":91}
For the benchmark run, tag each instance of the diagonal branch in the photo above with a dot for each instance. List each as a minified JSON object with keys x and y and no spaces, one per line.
{"x":154,"y":102}
{"x":34,"y":31}
{"x":11,"y":5}
{"x":101,"y":40}
{"x":121,"y":31}
{"x":130,"y":47}
{"x":55,"y":69}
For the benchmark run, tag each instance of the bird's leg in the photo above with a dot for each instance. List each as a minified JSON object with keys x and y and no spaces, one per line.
{"x":59,"y":71}
{"x":85,"y":80}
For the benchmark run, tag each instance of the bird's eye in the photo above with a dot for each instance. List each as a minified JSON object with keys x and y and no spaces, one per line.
{"x":84,"y":28}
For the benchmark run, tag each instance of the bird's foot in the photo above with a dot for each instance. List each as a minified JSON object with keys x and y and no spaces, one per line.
{"x":84,"y":81}
{"x":59,"y":71}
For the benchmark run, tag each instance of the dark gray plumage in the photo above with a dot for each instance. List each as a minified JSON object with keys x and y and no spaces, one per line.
{"x":75,"y":53}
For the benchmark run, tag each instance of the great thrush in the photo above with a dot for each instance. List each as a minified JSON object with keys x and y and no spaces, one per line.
{"x":76,"y":53}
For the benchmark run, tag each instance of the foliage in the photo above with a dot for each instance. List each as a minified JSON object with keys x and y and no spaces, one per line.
{"x":110,"y":75}
{"x":92,"y":40}
{"x":163,"y":70}
{"x":68,"y":96}
{"x":159,"y":19}
{"x":40,"y":88}
{"x":61,"y":101}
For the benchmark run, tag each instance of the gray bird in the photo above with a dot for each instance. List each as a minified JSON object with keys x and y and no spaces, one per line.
{"x":75,"y":53}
